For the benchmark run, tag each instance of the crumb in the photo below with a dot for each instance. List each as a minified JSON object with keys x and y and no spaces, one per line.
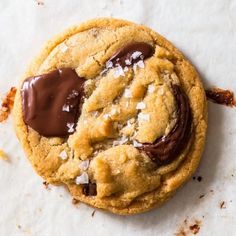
{"x":202,"y":196}
{"x":93,"y":213}
{"x":232,"y":175}
{"x":46,"y":184}
{"x":181,"y":232}
{"x":221,"y":96}
{"x":75,"y":201}
{"x":199,"y":178}
{"x":194,"y":228}
{"x":212,"y":191}
{"x":230,"y":201}
{"x":19,"y":226}
{"x":187,"y":229}
{"x":40,"y":3}
{"x":3,"y":155}
{"x":7,"y":104}
{"x":222,"y":205}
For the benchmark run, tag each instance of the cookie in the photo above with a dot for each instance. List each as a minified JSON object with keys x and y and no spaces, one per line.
{"x":115,"y":112}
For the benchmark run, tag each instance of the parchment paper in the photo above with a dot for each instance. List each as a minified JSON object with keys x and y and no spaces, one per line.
{"x":206,"y":33}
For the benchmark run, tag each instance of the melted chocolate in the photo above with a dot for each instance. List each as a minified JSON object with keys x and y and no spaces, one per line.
{"x":130,"y":54}
{"x":51,"y":102}
{"x":89,"y":189}
{"x":166,"y":148}
{"x":221,"y":96}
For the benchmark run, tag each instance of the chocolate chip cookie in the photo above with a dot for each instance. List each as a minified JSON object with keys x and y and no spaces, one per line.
{"x":115,"y":112}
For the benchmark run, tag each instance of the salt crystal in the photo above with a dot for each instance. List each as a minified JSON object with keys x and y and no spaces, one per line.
{"x":126,"y":69}
{"x":109,"y":64}
{"x":82,"y":179}
{"x":136,"y":55}
{"x":64,"y":48}
{"x":106,"y":116}
{"x":84,"y":165}
{"x":140,"y":64}
{"x":143,"y":117}
{"x":118,"y":72}
{"x":70,"y":127}
{"x":134,"y":66}
{"x":128,"y":93}
{"x":141,"y":105}
{"x":123,"y":140}
{"x":137,"y":144}
{"x":66,"y":108}
{"x":151,"y":88}
{"x":63,"y":155}
{"x":128,"y":62}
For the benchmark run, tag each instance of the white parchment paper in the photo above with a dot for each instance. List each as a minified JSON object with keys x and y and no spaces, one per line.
{"x":205,"y":30}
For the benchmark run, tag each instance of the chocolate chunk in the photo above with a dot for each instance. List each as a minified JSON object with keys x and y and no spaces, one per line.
{"x":221,"y":96}
{"x":51,"y":102}
{"x":166,"y":148}
{"x":131,"y":54}
{"x":90,"y":189}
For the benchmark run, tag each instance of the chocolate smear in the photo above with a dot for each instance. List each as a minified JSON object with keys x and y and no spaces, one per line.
{"x":52,"y":101}
{"x":89,"y":189}
{"x":221,"y":96}
{"x":130,"y":54}
{"x":166,"y":148}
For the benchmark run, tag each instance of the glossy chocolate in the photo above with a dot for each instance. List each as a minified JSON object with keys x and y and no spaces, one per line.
{"x":130,"y":54}
{"x":89,"y":189}
{"x":51,"y":102}
{"x":166,"y":148}
{"x":221,"y":96}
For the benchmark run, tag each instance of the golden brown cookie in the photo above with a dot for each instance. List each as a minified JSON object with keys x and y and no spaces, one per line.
{"x":115,"y":112}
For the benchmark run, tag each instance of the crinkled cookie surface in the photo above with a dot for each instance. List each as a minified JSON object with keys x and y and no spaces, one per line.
{"x":109,"y":159}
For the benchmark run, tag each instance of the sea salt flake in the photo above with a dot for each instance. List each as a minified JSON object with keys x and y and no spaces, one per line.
{"x":106,"y":116}
{"x":140,"y":64}
{"x":66,"y":108}
{"x":151,"y":88}
{"x":84,"y":165}
{"x":126,"y":69}
{"x":109,"y":64}
{"x":121,"y":141}
{"x":128,"y":62}
{"x":136,"y":55}
{"x":82,"y":179}
{"x":143,"y":117}
{"x":114,"y":111}
{"x":64,"y":48}
{"x":141,"y":105}
{"x":63,"y":155}
{"x":70,"y":127}
{"x":118,"y":72}
{"x":128,"y":93}
{"x":137,"y":144}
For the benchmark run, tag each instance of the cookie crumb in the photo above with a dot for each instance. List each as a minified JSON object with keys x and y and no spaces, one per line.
{"x":222,"y":205}
{"x":202,"y":196}
{"x":221,"y":96}
{"x":93,"y":213}
{"x":7,"y":104}
{"x":75,"y":201}
{"x":194,"y":228}
{"x":46,"y":185}
{"x":40,"y":3}
{"x":19,"y":226}
{"x":3,"y":155}
{"x":199,"y":178}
